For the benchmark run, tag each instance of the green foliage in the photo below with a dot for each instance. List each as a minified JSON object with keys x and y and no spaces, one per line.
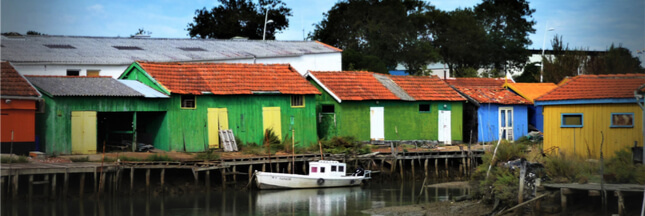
{"x":80,"y":159}
{"x":530,"y":74}
{"x":210,"y":155}
{"x":462,"y":42}
{"x":388,"y":32}
{"x":563,"y":62}
{"x":244,"y":18}
{"x":506,"y":186}
{"x":345,"y":145}
{"x":253,"y":149}
{"x":159,"y":157}
{"x":501,"y":183}
{"x":272,"y":141}
{"x":356,"y":61}
{"x":623,"y":169}
{"x":566,"y":169}
{"x":617,"y":60}
{"x":11,"y":159}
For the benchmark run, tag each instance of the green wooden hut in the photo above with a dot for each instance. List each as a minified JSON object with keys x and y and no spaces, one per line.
{"x":246,"y":98}
{"x":372,"y":106}
{"x":83,"y":113}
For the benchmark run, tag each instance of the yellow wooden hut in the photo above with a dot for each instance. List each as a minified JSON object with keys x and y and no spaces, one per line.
{"x":588,"y":110}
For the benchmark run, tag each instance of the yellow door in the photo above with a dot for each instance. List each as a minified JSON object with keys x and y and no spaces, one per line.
{"x":271,"y":119}
{"x":83,"y":132}
{"x":217,"y":120}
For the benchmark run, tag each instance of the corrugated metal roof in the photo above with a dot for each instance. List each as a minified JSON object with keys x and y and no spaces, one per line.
{"x":143,"y":89}
{"x":82,"y":86}
{"x":390,"y":85}
{"x":101,"y":50}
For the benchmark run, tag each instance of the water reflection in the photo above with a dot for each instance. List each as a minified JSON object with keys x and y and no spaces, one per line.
{"x":330,"y":201}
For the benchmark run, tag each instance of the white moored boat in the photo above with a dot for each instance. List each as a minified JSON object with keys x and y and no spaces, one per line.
{"x":322,"y":174}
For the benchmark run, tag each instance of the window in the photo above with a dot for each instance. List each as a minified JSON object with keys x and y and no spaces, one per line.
{"x":73,"y":72}
{"x":322,"y":169}
{"x":572,"y":120}
{"x":60,"y":46}
{"x":341,"y":169}
{"x":333,"y":168}
{"x":127,"y":47}
{"x":297,"y":101}
{"x":622,"y":120}
{"x":328,"y":109}
{"x":314,"y":169}
{"x":424,"y":107}
{"x":93,"y":73}
{"x":188,"y":101}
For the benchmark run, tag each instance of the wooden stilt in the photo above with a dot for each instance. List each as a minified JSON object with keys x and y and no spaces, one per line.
{"x":250,"y":173}
{"x":46,"y":183}
{"x":196,"y":175}
{"x":461,"y":169}
{"x":31,"y":186}
{"x":412,"y":163}
{"x":96,"y":181}
{"x":563,"y":200}
{"x":447,"y":170}
{"x":304,"y":168}
{"x":401,"y":167}
{"x":224,"y":176}
{"x":468,"y":172}
{"x":81,"y":185}
{"x":14,"y":182}
{"x":436,"y":168}
{"x":3,"y":188}
{"x":621,"y":202}
{"x":208,"y":180}
{"x":65,"y":184}
{"x":463,"y":166}
{"x":131,"y":179}
{"x":289,"y":168}
{"x":425,"y":167}
{"x":102,"y":182}
{"x":234,"y":171}
{"x":264,"y":167}
{"x":163,"y":180}
{"x":147,"y":180}
{"x":53,"y":191}
{"x":277,"y":165}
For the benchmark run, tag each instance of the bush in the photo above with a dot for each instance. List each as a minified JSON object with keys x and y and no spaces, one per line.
{"x":344,"y":145}
{"x":210,"y":154}
{"x":159,"y":157}
{"x":623,"y":169}
{"x":80,"y":159}
{"x":501,"y":183}
{"x":11,"y":159}
{"x":253,"y":149}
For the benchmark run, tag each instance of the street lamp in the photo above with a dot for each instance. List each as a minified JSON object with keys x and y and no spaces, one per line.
{"x":546,"y":29}
{"x":266,"y":15}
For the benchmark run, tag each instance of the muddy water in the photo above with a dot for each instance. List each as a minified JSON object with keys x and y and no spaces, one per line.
{"x":333,"y":201}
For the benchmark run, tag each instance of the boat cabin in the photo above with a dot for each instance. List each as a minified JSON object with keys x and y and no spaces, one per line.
{"x":324,"y":168}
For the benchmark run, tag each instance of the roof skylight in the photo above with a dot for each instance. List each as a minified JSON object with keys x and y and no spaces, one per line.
{"x":60,"y":46}
{"x":191,"y":48}
{"x":127,"y":47}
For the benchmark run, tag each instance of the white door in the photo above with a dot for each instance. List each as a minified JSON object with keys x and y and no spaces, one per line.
{"x":506,"y":123}
{"x":377,"y":131}
{"x":444,"y":126}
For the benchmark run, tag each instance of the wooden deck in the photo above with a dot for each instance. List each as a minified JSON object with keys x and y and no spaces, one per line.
{"x":596,"y":187}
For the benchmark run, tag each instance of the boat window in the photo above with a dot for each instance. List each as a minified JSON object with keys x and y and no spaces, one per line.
{"x":333,"y":168}
{"x":341,"y":169}
{"x":314,"y":169}
{"x":322,"y":169}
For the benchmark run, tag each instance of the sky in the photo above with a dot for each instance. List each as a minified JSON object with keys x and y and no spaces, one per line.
{"x":588,"y":24}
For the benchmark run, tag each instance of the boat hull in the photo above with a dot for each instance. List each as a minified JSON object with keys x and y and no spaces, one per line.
{"x":266,"y":180}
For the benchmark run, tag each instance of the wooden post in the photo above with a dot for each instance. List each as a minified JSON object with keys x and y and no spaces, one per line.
{"x":234,"y":176}
{"x":401,"y":167}
{"x":250,"y":172}
{"x":31,"y":186}
{"x":196,"y":175}
{"x":224,"y":176}
{"x":463,"y":165}
{"x":277,"y":167}
{"x":468,"y":164}
{"x":412,"y":163}
{"x":53,"y":194}
{"x":65,"y":184}
{"x":289,"y":168}
{"x":46,"y":185}
{"x":264,"y":167}
{"x":447,"y":170}
{"x":621,"y":202}
{"x":208,"y":180}
{"x":3,"y":189}
{"x":14,"y":182}
{"x":131,"y":179}
{"x":436,"y":168}
{"x":81,"y":186}
{"x":163,"y":180}
{"x":96,"y":181}
{"x":102,"y":182}
{"x":425,"y":167}
{"x":563,"y":200}
{"x":148,"y":180}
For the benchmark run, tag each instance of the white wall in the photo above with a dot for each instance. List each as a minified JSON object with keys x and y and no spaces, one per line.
{"x":313,"y":62}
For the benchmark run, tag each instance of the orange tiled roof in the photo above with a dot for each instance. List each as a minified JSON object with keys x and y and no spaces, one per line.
{"x":12,"y":84}
{"x":471,"y":82}
{"x":492,"y":94}
{"x":228,"y":79}
{"x":531,"y":91}
{"x":427,"y":88}
{"x":354,"y":85}
{"x":596,"y":87}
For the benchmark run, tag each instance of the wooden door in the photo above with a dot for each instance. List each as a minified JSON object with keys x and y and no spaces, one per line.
{"x":506,"y":123}
{"x":271,"y":119}
{"x":83,"y":132}
{"x":377,"y":131}
{"x":217,"y":120}
{"x":444,"y":127}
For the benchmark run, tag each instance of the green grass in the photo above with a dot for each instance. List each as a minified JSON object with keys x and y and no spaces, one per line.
{"x":159,"y":157}
{"x":80,"y":159}
{"x":20,"y":159}
{"x":208,"y":155}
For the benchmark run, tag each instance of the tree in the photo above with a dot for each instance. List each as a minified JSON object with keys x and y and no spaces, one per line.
{"x":141,"y":31}
{"x":393,"y":31}
{"x":530,"y":74}
{"x":563,"y":62}
{"x":240,"y":18}
{"x":617,"y":60}
{"x":31,"y":32}
{"x":507,"y":27}
{"x":462,"y":41}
